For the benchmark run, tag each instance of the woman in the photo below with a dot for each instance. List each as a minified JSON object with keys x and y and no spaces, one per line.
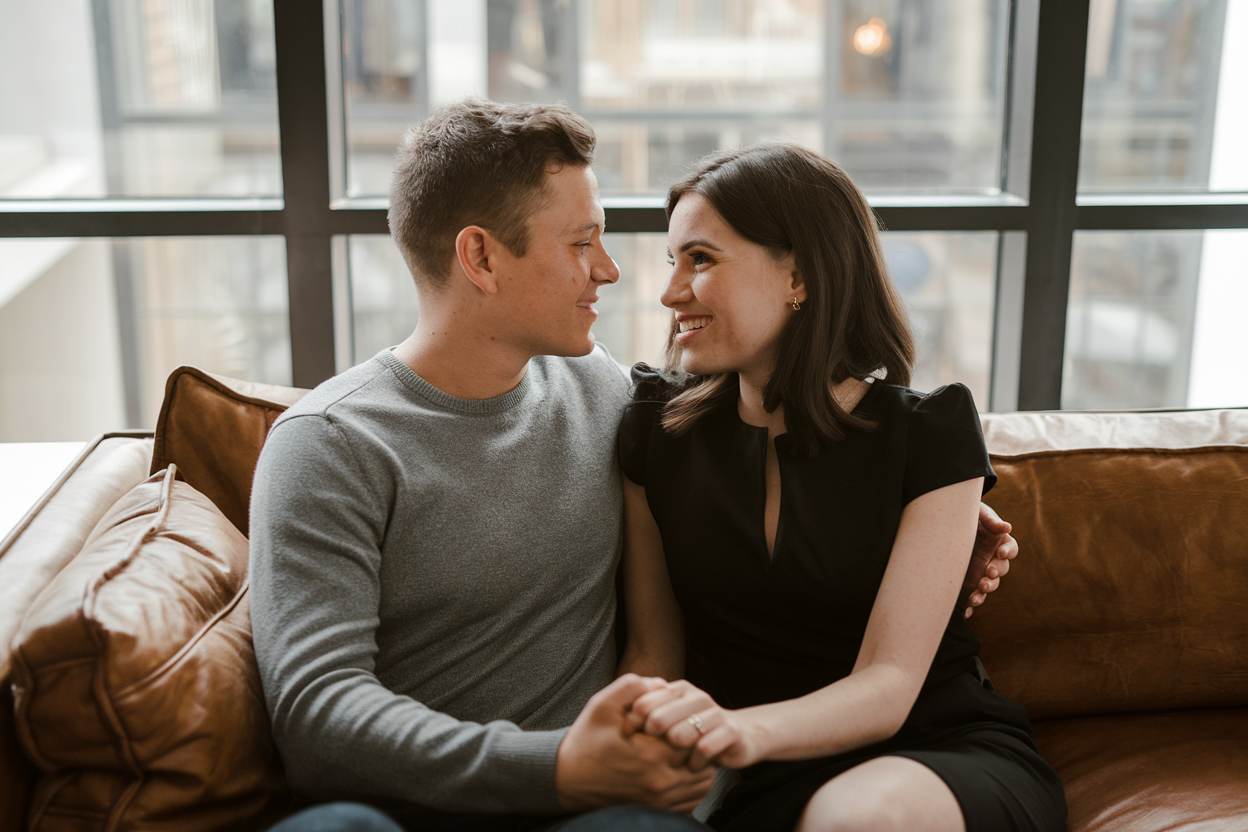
{"x":812,"y":526}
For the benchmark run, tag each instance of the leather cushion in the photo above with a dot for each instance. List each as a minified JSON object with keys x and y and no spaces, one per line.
{"x":1011,"y":434}
{"x":212,"y":428}
{"x":135,"y":684}
{"x":1175,"y":771}
{"x":1129,"y":589}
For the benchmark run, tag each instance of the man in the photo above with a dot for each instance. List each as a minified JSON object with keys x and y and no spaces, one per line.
{"x":435,"y":532}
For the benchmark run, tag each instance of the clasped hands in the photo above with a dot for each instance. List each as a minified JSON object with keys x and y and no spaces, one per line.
{"x":688,"y":719}
{"x":634,"y":743}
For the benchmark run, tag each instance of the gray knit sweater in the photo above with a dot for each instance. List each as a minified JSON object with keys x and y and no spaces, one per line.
{"x":432,"y":581}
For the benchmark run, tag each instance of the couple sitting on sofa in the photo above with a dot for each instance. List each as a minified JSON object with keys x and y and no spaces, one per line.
{"x":435,"y":533}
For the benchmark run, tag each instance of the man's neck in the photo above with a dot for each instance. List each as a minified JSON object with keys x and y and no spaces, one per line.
{"x":461,"y":362}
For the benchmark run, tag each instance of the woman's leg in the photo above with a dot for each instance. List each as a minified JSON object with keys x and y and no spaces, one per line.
{"x":884,"y":794}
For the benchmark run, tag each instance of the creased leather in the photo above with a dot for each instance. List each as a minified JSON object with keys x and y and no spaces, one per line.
{"x":1178,"y":771}
{"x":57,"y":533}
{"x":212,"y":428}
{"x":135,"y":684}
{"x":1131,"y":589}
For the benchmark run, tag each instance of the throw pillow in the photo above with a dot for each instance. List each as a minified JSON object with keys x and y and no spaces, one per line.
{"x":135,"y":684}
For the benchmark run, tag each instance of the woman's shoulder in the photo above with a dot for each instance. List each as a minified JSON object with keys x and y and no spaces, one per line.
{"x":650,"y":391}
{"x":955,"y":396}
{"x":650,"y":385}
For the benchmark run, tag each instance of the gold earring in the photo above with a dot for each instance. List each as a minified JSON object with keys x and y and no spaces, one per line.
{"x":796,"y":306}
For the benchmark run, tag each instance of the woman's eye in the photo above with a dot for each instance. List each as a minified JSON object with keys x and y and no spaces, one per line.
{"x":699,"y":259}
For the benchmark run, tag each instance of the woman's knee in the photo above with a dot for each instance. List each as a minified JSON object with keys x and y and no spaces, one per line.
{"x":889,"y":794}
{"x":837,"y":811}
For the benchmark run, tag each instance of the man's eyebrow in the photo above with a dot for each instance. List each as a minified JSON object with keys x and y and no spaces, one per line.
{"x":589,"y":226}
{"x":700,"y":242}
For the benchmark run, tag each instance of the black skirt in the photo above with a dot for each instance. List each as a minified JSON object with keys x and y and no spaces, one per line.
{"x":973,"y":738}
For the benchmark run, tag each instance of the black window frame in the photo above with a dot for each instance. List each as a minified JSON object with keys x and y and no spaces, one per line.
{"x":1036,"y":217}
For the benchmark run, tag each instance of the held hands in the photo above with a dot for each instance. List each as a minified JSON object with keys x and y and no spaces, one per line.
{"x":603,"y":761}
{"x":990,"y":559}
{"x":688,"y":718}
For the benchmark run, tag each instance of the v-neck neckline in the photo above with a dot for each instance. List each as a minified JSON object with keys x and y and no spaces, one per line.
{"x":771,"y":556}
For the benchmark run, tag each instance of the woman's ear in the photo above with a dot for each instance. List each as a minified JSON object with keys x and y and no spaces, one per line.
{"x":476,"y":250}
{"x":797,"y":286}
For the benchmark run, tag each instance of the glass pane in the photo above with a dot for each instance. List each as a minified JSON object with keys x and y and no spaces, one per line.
{"x":114,"y":98}
{"x":908,"y":96}
{"x":383,"y":296}
{"x":1164,"y":104}
{"x":948,"y":280}
{"x":1156,"y":320}
{"x":90,"y":329}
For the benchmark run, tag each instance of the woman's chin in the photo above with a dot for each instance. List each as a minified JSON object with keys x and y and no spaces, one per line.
{"x":694,"y":366}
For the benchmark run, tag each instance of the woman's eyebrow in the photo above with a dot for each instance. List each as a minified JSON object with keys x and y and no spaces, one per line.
{"x":699,"y":242}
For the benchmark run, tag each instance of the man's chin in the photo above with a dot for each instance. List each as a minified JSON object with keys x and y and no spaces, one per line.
{"x":573,"y":349}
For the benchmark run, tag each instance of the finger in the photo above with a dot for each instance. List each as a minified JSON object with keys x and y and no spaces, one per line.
{"x":697,"y":760}
{"x":670,"y":714}
{"x":977,"y":598}
{"x":633,"y":722}
{"x":1001,"y":566}
{"x":684,"y":734}
{"x":715,"y":743}
{"x":1008,"y":549}
{"x":990,"y":521}
{"x":691,"y":787}
{"x":987,"y":585}
{"x":969,"y":612}
{"x":624,"y":691}
{"x":685,"y":801}
{"x":645,"y":705}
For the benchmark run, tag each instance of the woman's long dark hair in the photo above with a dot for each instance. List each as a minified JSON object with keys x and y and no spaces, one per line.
{"x":791,"y":199}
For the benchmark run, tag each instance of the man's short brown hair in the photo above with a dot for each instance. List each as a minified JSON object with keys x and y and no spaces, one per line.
{"x":478,"y":163}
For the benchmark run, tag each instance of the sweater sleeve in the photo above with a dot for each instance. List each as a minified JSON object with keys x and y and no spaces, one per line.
{"x":319,"y":513}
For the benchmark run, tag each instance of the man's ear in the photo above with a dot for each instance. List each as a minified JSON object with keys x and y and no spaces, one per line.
{"x":476,"y":249}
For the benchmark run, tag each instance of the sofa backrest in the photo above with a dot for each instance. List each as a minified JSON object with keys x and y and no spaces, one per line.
{"x":212,"y":428}
{"x":1129,"y":589}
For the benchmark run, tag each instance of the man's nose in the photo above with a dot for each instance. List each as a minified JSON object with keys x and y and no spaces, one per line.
{"x":606,"y":271}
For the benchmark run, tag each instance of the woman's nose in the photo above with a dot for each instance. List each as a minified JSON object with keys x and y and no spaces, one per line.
{"x":677,"y":289}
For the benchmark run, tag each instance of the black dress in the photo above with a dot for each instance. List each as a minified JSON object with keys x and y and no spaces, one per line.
{"x":766,"y":629}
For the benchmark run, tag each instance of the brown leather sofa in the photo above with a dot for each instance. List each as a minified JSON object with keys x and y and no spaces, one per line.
{"x":131,"y":700}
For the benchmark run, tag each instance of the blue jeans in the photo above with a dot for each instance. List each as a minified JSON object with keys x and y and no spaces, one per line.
{"x":356,"y":817}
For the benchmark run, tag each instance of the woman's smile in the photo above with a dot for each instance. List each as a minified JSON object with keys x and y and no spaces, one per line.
{"x":691,"y":325}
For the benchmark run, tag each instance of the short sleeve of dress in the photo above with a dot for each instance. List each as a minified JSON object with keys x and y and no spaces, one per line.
{"x":946,"y":443}
{"x":650,"y":391}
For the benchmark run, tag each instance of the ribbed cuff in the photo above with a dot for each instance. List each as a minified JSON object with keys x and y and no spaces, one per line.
{"x":526,"y":769}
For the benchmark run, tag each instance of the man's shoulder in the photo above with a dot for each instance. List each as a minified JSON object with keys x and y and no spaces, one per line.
{"x":597,"y":374}
{"x":368,"y":385}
